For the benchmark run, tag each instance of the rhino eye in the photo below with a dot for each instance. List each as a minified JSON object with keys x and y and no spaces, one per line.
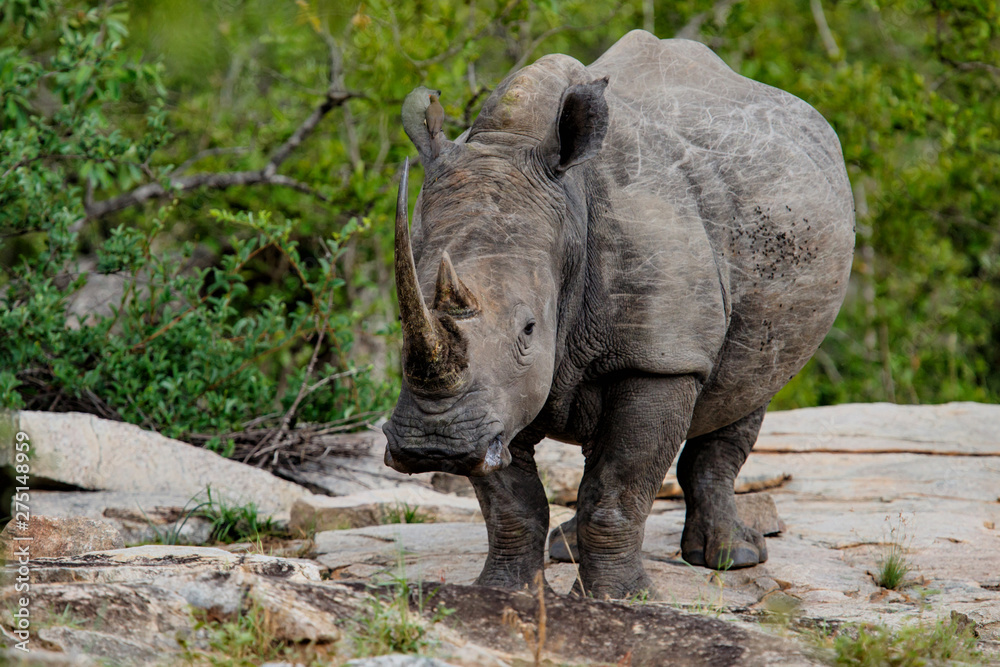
{"x":529,"y":328}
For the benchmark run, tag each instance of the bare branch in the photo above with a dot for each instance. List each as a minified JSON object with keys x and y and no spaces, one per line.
{"x":26,"y":161}
{"x":530,"y":48}
{"x":214,"y":180}
{"x":268,"y":175}
{"x":823,"y":27}
{"x":719,"y":12}
{"x":972,"y":66}
{"x":458,"y":44}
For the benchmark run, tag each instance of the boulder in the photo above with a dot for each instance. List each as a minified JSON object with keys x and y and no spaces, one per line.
{"x":398,"y":660}
{"x":373,"y":508}
{"x":363,"y":470}
{"x":87,"y":452}
{"x":757,"y":511}
{"x":947,"y":429}
{"x":147,"y":605}
{"x":139,"y":517}
{"x":48,"y":537}
{"x":129,"y":606}
{"x":387,"y":545}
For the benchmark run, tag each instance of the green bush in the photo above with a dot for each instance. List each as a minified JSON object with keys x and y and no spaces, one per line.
{"x":184,"y":349}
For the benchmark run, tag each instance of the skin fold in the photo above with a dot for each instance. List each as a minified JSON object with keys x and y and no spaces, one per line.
{"x":628,"y":256}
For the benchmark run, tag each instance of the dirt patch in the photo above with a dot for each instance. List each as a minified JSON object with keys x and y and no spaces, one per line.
{"x":585,"y":630}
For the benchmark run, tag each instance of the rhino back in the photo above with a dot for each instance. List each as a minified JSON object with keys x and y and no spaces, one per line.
{"x":729,"y":205}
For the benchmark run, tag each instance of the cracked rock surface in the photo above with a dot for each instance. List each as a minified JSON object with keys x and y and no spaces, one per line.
{"x":837,"y":487}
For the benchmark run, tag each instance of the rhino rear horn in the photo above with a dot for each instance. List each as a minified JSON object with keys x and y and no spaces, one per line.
{"x":451,"y":296}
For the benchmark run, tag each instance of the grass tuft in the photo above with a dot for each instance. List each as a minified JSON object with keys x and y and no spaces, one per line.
{"x":248,"y":639}
{"x":943,"y":643}
{"x":236,"y":523}
{"x":404,"y":513}
{"x":892,"y":565}
{"x":389,"y":625}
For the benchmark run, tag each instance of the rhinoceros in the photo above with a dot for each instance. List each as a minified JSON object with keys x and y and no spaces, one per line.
{"x":624,"y":256}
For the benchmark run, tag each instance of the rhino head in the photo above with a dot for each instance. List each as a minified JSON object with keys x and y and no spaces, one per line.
{"x":497,"y":242}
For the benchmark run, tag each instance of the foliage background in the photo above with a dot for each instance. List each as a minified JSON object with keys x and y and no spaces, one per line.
{"x":226,"y":304}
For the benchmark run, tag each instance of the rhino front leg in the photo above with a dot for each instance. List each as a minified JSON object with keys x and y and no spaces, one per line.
{"x":643,"y":423}
{"x":517,"y":519}
{"x":713,"y":535}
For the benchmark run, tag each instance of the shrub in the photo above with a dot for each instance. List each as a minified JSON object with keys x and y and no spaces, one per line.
{"x":181,"y":351}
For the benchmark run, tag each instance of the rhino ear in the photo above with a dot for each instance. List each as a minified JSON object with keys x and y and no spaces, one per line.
{"x":578,"y":133}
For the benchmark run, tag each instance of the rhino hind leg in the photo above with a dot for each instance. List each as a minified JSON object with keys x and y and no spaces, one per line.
{"x":643,"y":423}
{"x":517,"y":519}
{"x":713,"y":535}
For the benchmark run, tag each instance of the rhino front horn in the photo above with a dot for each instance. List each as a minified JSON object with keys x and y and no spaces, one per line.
{"x":450,"y":293}
{"x":433,"y":358}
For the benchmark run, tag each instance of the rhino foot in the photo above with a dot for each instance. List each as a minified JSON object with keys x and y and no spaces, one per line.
{"x":725,"y":546}
{"x":629,"y":585}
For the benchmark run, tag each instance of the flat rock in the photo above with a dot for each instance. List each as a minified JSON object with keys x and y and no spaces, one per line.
{"x":131,"y":607}
{"x":364,"y":471}
{"x":372,"y":508}
{"x":139,"y":517}
{"x":398,"y":660}
{"x":46,"y":536}
{"x":88,"y":452}
{"x":948,"y":429}
{"x":560,"y":466}
{"x":128,"y":606}
{"x":390,"y":545}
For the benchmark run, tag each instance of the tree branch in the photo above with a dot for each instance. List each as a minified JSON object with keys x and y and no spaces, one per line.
{"x":458,"y":44}
{"x":268,"y":175}
{"x":823,"y":27}
{"x":719,"y":12}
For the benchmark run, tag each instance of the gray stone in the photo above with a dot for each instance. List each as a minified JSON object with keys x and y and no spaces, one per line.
{"x":398,"y":660}
{"x":139,"y":517}
{"x":951,"y":428}
{"x":373,"y":508}
{"x":757,"y":511}
{"x":364,"y":471}
{"x":388,"y":544}
{"x":88,"y":452}
{"x":47,"y":536}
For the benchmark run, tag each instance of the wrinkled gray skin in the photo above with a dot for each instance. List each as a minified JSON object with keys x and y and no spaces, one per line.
{"x":648,"y":263}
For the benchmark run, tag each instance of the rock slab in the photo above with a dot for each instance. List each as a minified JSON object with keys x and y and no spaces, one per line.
{"x":88,"y":452}
{"x":373,"y":508}
{"x":52,"y":537}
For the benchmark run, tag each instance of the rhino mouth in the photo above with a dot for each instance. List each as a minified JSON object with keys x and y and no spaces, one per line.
{"x":479,"y":462}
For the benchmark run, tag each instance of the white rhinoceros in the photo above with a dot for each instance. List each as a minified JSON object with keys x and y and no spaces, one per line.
{"x":624,"y":256}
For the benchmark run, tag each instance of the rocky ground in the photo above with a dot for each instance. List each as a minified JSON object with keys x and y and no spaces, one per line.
{"x":838,"y":489}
